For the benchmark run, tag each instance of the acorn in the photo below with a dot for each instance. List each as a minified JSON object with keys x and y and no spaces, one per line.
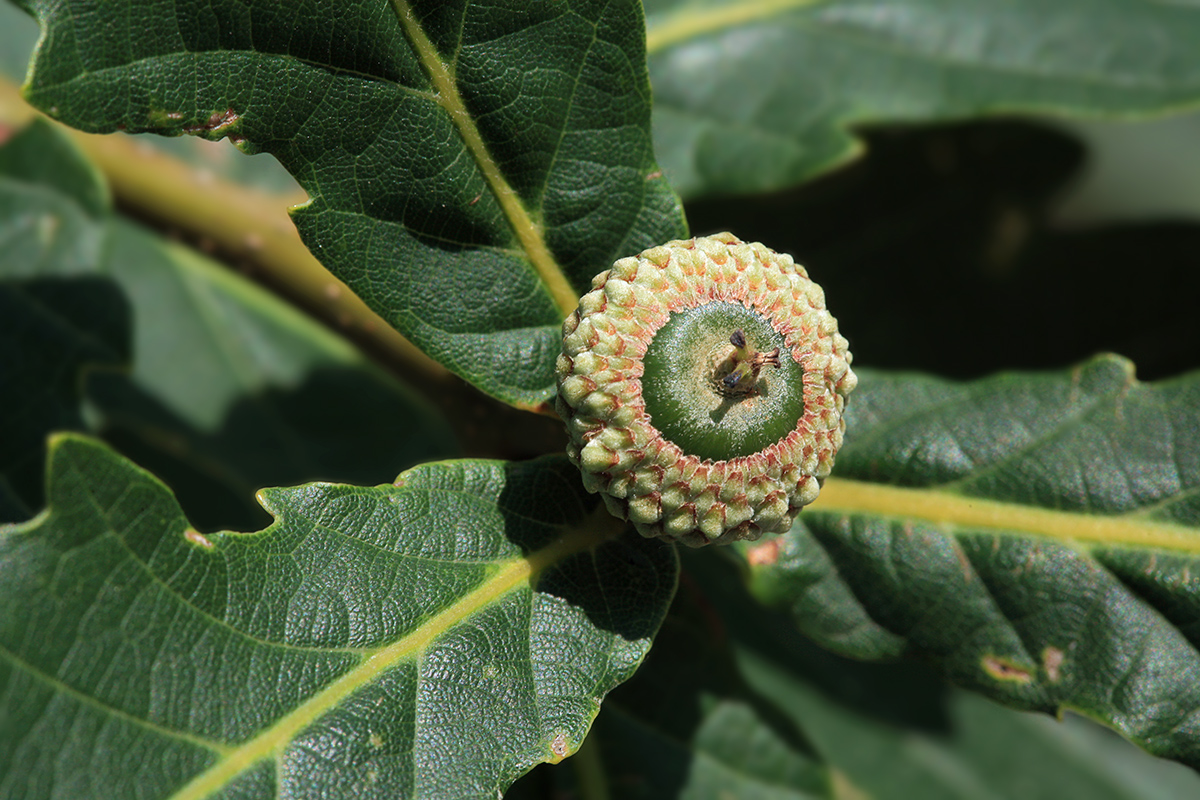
{"x":702,"y":383}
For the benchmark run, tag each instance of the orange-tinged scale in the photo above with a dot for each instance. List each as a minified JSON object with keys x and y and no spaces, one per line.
{"x":704,"y":500}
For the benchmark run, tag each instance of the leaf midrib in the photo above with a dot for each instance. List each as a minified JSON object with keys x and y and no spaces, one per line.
{"x":684,"y":25}
{"x":528,"y":232}
{"x":274,"y":739}
{"x":845,"y":496}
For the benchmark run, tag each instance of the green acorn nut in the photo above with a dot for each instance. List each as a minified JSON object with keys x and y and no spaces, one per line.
{"x":703,"y":384}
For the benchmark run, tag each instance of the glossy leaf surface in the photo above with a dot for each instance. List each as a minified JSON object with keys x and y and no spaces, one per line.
{"x":1035,"y":536}
{"x":758,"y":95}
{"x":435,"y":638}
{"x":470,"y":165}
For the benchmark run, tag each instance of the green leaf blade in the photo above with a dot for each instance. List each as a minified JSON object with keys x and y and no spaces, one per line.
{"x":754,"y":96}
{"x":471,"y":167}
{"x":1036,"y":543}
{"x":96,"y":314}
{"x":352,"y":646}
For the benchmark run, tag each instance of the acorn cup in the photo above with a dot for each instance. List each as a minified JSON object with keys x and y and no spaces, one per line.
{"x":702,"y":384}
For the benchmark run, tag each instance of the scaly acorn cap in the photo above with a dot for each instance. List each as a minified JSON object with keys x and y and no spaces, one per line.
{"x":703,"y":384}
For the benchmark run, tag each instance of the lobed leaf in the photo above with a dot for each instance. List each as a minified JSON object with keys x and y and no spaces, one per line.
{"x":759,"y":95}
{"x":470,"y":165}
{"x":1034,"y":535}
{"x":436,"y":638}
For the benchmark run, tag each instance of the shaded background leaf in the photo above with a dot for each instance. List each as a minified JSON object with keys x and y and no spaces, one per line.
{"x":434,"y":638}
{"x":217,"y":385}
{"x":690,"y":726}
{"x":498,"y":157}
{"x":1032,"y":535}
{"x":886,"y":731}
{"x":940,"y":252}
{"x":755,"y":96}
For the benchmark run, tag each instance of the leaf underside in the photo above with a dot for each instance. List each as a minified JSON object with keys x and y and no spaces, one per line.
{"x":436,"y":638}
{"x":470,"y":166}
{"x":1035,"y":536}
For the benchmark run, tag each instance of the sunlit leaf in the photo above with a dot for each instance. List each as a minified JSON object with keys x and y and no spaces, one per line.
{"x":436,"y":638}
{"x":1033,"y":535}
{"x":471,"y":165}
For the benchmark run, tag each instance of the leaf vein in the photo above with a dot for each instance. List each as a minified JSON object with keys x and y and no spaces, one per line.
{"x":528,"y":233}
{"x":79,"y":696}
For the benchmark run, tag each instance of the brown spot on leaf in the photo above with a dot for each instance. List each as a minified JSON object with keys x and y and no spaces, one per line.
{"x":217,"y":121}
{"x":559,"y":747}
{"x":544,"y":408}
{"x":654,"y":175}
{"x":764,"y":554}
{"x":1052,"y":659}
{"x":197,"y":538}
{"x":1004,"y":670}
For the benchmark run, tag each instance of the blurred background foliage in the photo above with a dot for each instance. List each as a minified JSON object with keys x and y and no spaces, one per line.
{"x":1012,"y":242}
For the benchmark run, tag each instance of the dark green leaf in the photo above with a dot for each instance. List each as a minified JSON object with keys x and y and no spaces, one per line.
{"x":50,"y":328}
{"x":689,"y":725}
{"x":1035,"y":536}
{"x":471,"y":166}
{"x":894,"y":732}
{"x":227,"y":389}
{"x":436,"y":638}
{"x":759,"y":95}
{"x":985,"y":752}
{"x":725,"y":671}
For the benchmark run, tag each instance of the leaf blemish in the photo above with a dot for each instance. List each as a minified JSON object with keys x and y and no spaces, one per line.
{"x":1052,"y":659}
{"x":764,"y":554}
{"x":1003,"y":670}
{"x":197,"y":538}
{"x":376,"y":740}
{"x":559,"y":746}
{"x":217,"y":121}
